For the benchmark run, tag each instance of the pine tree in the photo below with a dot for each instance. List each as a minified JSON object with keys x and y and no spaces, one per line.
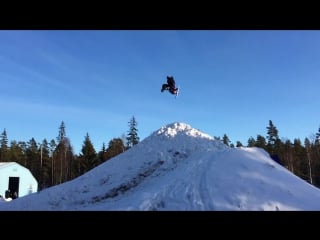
{"x":273,"y":140}
{"x":69,"y":161}
{"x":300,"y":163}
{"x":116,"y":146}
{"x":251,"y":142}
{"x":62,"y":156}
{"x":288,"y":158}
{"x":308,"y":148}
{"x":317,"y":140}
{"x":261,"y":142}
{"x":88,"y":155}
{"x":4,"y":147}
{"x":102,"y":155}
{"x":316,"y":158}
{"x":239,"y":144}
{"x":226,"y":140}
{"x":33,"y":157}
{"x":132,"y":137}
{"x":272,"y":133}
{"x":62,"y":133}
{"x":16,"y":153}
{"x":45,"y":165}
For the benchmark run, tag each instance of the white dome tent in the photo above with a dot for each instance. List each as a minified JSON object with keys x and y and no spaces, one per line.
{"x":16,"y":180}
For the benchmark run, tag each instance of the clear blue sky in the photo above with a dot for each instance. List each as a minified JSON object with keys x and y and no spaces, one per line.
{"x":231,"y":82}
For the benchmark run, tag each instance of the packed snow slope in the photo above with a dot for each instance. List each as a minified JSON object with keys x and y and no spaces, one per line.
{"x":179,"y":168}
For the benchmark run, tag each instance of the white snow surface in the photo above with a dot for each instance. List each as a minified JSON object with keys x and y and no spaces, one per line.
{"x":179,"y":168}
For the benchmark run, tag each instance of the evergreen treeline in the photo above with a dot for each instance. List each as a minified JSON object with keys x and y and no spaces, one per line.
{"x":301,"y":158}
{"x":54,"y":162}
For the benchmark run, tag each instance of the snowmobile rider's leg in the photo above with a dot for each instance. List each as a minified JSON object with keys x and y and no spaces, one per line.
{"x":164,"y":87}
{"x":173,"y":90}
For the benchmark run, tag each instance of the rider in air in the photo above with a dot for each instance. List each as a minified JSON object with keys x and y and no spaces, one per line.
{"x":170,"y":86}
